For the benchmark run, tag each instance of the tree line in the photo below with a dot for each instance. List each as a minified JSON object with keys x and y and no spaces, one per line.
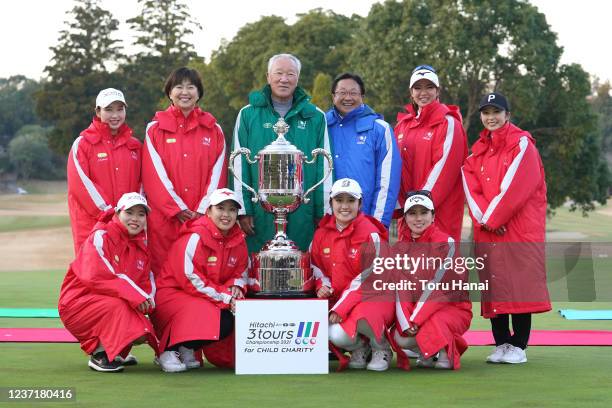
{"x":476,"y":46}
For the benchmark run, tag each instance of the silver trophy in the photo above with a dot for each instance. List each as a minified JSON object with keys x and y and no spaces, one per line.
{"x":281,"y":267}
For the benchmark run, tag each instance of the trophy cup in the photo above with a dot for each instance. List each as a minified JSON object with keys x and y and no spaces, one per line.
{"x":282,"y":269}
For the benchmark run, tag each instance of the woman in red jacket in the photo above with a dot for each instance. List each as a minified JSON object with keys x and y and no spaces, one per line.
{"x":505,"y":188}
{"x":103,"y":164}
{"x":339,"y":250}
{"x":433,"y":145}
{"x":109,"y":289}
{"x":183,"y":162}
{"x":204,"y":274}
{"x":431,"y":317}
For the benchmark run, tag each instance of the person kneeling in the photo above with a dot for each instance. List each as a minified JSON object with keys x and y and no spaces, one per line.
{"x":109,"y":288}
{"x":357,"y":322}
{"x":432,"y":316}
{"x":204,"y":274}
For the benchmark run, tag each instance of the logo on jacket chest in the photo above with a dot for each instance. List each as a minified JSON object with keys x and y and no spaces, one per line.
{"x":140,"y":264}
{"x":212,"y":260}
{"x":428,"y":135}
{"x":232,"y":261}
{"x":326,"y":252}
{"x":206,"y":141}
{"x":267,"y":125}
{"x":353,"y":252}
{"x":102,"y":156}
{"x":133,"y":155}
{"x":301,"y":124}
{"x":361,"y":139}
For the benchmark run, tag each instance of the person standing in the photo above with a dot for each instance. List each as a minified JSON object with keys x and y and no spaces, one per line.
{"x":103,"y":164}
{"x":364,"y":148}
{"x":281,"y":97}
{"x":433,"y":145}
{"x":183,"y":162}
{"x":505,"y":187}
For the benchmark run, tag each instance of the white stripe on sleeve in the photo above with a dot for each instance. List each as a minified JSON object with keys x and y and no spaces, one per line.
{"x":474,"y":208}
{"x":385,"y":173}
{"x":507,"y":180}
{"x":215,"y":177}
{"x":96,"y":197}
{"x":437,"y":168}
{"x":195,"y":280}
{"x":161,"y":170}
{"x":238,"y":188}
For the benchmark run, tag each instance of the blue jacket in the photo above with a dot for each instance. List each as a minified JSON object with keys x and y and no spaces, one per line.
{"x":365,"y":150}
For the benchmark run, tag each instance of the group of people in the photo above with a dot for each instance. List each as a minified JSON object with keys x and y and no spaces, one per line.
{"x":162,"y":246}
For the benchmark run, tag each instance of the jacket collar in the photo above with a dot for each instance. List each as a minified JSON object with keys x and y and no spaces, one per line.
{"x":98,"y":131}
{"x":263,"y":98}
{"x":210,"y":234}
{"x":170,"y":119}
{"x":364,"y":117}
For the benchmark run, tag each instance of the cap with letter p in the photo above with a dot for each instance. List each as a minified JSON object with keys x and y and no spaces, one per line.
{"x":108,"y":96}
{"x":129,"y":200}
{"x":348,"y":186}
{"x":418,"y":199}
{"x":496,"y":100}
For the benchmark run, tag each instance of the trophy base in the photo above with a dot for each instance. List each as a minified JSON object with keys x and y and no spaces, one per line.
{"x":281,"y":295}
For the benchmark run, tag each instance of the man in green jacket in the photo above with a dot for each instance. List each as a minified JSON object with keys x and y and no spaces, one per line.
{"x":307,"y":131}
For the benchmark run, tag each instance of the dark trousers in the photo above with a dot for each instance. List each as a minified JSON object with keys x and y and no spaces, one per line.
{"x":521,"y":326}
{"x":226,"y":326}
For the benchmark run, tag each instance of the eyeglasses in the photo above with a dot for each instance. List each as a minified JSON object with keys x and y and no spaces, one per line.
{"x":427,"y":67}
{"x":342,"y":94}
{"x":426,"y":193}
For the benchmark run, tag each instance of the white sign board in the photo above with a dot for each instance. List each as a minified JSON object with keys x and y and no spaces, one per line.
{"x":281,"y":337}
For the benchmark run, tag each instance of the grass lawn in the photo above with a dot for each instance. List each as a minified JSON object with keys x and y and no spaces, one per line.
{"x":554,"y":376}
{"x":10,"y":223}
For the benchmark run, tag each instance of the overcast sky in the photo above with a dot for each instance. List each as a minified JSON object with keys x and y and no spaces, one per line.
{"x":29,"y":27}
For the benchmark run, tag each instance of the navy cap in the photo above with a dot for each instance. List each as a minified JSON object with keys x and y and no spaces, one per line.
{"x":494,"y":99}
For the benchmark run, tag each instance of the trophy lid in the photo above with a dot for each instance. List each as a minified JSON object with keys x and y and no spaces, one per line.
{"x":281,"y":145}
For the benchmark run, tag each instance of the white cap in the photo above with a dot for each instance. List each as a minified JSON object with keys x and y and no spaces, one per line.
{"x":221,"y":195}
{"x":129,"y":200}
{"x":108,"y":96}
{"x":424,"y":73}
{"x":418,"y":199}
{"x":346,"y":185}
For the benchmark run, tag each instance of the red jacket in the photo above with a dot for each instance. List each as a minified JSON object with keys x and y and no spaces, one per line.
{"x":418,"y":305}
{"x":101,"y":168}
{"x":183,"y":163}
{"x":505,"y":186}
{"x":204,"y":263}
{"x":110,"y":263}
{"x":339,"y":257}
{"x":433,"y":147}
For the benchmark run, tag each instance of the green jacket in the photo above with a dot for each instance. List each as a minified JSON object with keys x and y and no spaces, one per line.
{"x":307,"y":131}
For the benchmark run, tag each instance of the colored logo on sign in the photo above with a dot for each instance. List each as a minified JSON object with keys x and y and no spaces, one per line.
{"x":307,"y":333}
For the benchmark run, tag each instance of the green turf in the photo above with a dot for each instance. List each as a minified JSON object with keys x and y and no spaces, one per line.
{"x":596,"y":226}
{"x":10,"y":223}
{"x":553,"y":377}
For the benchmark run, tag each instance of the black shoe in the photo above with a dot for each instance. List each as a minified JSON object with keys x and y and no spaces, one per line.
{"x":99,"y":362}
{"x":130,"y":360}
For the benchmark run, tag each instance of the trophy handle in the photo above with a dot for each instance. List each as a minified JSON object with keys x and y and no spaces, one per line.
{"x":247,"y":156}
{"x":314,"y":154}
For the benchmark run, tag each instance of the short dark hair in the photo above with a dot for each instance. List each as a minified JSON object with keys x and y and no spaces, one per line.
{"x":177,"y":77}
{"x":348,"y":75}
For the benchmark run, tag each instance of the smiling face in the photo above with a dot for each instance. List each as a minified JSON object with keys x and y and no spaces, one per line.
{"x":424,"y":92}
{"x":347,"y":96}
{"x":223,"y":215}
{"x":418,"y":218}
{"x":493,"y":118}
{"x":345,"y":208}
{"x":185,"y":96}
{"x":113,"y":115}
{"x":283,"y":78}
{"x":134,"y":219}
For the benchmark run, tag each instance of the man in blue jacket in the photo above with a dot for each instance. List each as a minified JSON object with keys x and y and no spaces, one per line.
{"x":364,"y":147}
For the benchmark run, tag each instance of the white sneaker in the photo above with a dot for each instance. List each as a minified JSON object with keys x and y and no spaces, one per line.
{"x":498,"y":353}
{"x":514,"y":355}
{"x":187,"y":356}
{"x":170,"y":363}
{"x":380,"y":360}
{"x":443,"y":363}
{"x":359,"y":356}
